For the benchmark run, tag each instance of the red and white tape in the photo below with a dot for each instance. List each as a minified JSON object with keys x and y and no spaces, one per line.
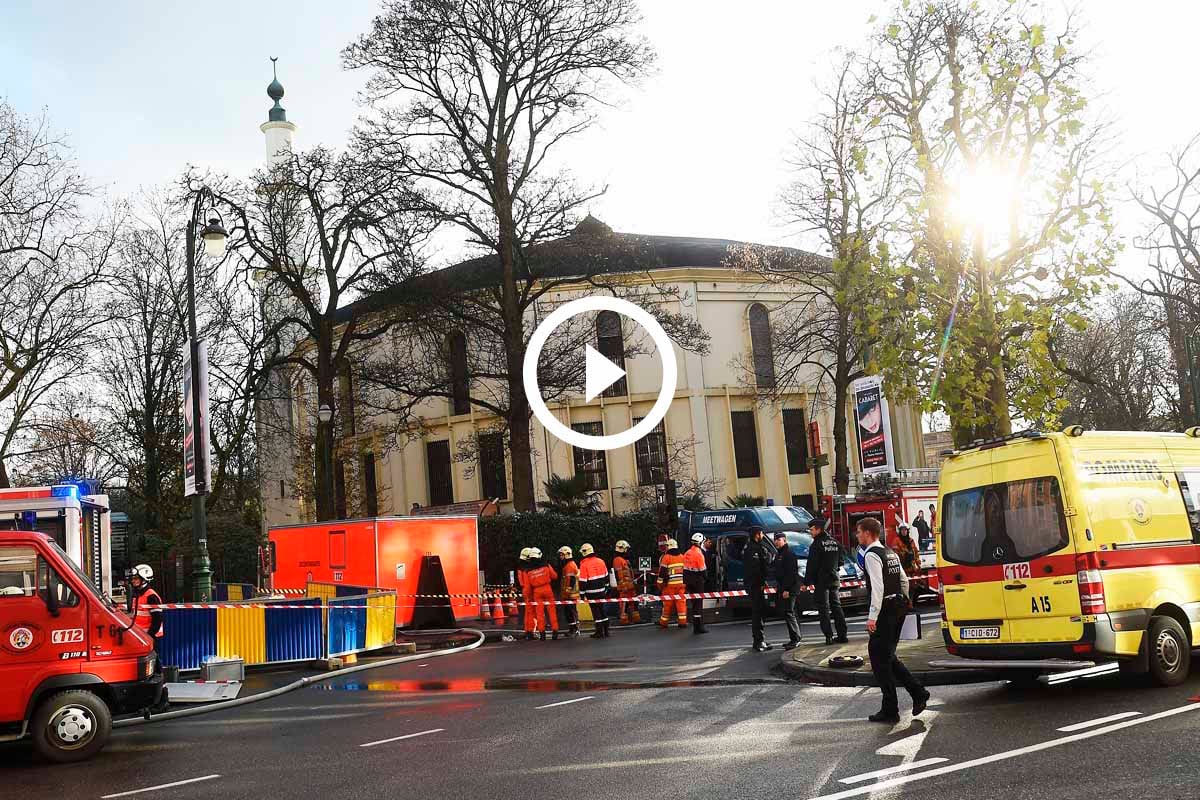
{"x":504,"y":599}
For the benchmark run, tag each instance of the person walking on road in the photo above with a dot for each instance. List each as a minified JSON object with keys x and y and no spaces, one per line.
{"x":787,"y":579}
{"x":756,"y":563}
{"x":694,"y":569}
{"x":568,"y":589}
{"x":526,"y":591}
{"x":670,"y":585}
{"x":541,"y":578}
{"x":821,"y":572}
{"x":593,"y":583}
{"x":889,"y":605}
{"x":626,"y":588}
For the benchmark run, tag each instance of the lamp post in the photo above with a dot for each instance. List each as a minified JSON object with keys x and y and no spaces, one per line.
{"x":214,"y":236}
{"x":1192,"y":349}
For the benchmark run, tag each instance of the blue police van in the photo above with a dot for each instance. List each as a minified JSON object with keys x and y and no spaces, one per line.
{"x":729,"y":528}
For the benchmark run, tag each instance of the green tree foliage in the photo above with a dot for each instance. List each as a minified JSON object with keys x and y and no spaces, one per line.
{"x":1010,"y":226}
{"x":743,"y":500}
{"x":570,"y":496}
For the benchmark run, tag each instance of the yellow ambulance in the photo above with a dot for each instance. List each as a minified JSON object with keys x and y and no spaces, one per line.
{"x":1076,"y":545}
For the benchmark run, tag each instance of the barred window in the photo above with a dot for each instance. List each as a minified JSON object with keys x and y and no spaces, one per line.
{"x":745,"y":444}
{"x":795,"y":441}
{"x":460,"y":382}
{"x":651,"y":454}
{"x":760,"y":344}
{"x":441,"y":482}
{"x":611,"y":346}
{"x":591,"y":463}
{"x":491,"y":466}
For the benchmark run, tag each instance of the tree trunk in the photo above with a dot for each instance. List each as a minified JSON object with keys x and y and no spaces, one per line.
{"x":1177,"y":333}
{"x":326,"y":507}
{"x":3,"y":475}
{"x":994,"y":420}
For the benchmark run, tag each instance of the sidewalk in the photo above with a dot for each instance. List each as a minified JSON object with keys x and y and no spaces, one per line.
{"x":809,"y":662}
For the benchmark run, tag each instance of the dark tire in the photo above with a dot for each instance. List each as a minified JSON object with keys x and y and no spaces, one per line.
{"x":70,"y":726}
{"x":1170,"y":652}
{"x":1025,"y":679}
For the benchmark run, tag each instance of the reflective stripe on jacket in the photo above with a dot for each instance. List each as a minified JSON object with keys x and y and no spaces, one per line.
{"x":145,"y":606}
{"x":569,"y":585}
{"x":670,"y":570}
{"x":624,"y":571}
{"x":593,"y":575}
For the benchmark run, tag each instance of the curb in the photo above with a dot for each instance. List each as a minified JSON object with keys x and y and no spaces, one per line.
{"x":830,"y":676}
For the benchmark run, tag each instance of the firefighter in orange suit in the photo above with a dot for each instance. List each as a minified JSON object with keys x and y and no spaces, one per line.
{"x":694,"y":569}
{"x":526,"y":592}
{"x":541,"y":578}
{"x":593,"y":582}
{"x":670,"y":586}
{"x":144,"y":603}
{"x":569,"y":589}
{"x":626,"y":591}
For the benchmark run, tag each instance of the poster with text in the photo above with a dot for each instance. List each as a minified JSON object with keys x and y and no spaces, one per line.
{"x":195,"y":448}
{"x":873,"y":425}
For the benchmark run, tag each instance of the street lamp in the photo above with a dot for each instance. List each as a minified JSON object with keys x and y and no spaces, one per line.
{"x":214,"y":235}
{"x":324,"y":413}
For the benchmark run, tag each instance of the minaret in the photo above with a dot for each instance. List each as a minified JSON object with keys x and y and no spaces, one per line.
{"x":277,"y":129}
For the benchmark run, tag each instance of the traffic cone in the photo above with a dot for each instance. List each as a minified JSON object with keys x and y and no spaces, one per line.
{"x":484,"y":611}
{"x":497,"y":610}
{"x":512,"y":604}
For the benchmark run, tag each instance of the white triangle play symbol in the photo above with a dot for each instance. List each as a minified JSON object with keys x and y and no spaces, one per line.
{"x":599,"y":373}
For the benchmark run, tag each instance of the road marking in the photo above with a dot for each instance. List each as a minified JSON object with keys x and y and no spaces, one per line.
{"x":1021,"y":751}
{"x":879,"y":773}
{"x":567,"y":702}
{"x":160,"y":786}
{"x":1078,"y":726}
{"x":405,"y":736}
{"x":650,"y":762}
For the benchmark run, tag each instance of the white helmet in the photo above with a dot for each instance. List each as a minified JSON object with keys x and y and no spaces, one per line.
{"x":535,"y":552}
{"x":672,"y":544}
{"x":587,"y":550}
{"x":525,"y":553}
{"x":564,"y":552}
{"x":622,"y":546}
{"x":697,"y":538}
{"x":144,"y":572}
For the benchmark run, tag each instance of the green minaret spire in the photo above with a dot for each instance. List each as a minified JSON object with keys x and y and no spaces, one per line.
{"x":275,"y":92}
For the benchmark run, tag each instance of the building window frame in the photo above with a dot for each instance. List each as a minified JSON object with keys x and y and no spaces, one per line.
{"x":460,"y":374}
{"x":650,"y":454}
{"x":795,"y":440}
{"x":610,"y":343}
{"x":493,"y":475}
{"x":439,"y":470}
{"x":761,"y":350}
{"x":593,"y":464}
{"x":745,"y":444}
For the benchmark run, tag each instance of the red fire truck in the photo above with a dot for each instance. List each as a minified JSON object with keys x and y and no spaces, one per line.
{"x":69,"y":660}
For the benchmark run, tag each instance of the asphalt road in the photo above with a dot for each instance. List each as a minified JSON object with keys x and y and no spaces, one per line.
{"x":646,"y":713}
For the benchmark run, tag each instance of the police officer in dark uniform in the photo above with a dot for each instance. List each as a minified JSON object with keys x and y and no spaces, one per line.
{"x":889,"y":606}
{"x":821,"y":572}
{"x":756,"y":563}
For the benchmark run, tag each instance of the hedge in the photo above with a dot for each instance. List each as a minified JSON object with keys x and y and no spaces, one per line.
{"x":501,"y":538}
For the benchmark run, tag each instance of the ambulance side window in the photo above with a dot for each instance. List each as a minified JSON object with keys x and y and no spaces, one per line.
{"x":18,"y":572}
{"x":1189,"y":486}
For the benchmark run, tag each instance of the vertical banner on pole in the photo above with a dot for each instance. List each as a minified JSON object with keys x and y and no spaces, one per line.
{"x":195,"y":447}
{"x":873,"y":425}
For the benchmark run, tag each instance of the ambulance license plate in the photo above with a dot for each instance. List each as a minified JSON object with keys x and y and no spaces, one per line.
{"x":979,"y":633}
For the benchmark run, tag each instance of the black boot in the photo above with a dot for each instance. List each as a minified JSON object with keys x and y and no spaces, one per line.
{"x":529,"y":636}
{"x":828,"y":640}
{"x":543,"y":636}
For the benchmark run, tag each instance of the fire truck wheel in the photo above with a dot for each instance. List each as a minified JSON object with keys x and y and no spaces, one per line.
{"x":1170,"y":656}
{"x":70,"y":726}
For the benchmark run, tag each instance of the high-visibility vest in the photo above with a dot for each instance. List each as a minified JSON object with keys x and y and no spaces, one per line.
{"x":624,"y":573}
{"x":541,"y":576}
{"x":145,"y":606}
{"x":569,"y":586}
{"x":693,"y":560}
{"x":670,"y":569}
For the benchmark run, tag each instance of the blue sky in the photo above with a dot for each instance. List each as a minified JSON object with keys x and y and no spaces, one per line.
{"x":144,"y":88}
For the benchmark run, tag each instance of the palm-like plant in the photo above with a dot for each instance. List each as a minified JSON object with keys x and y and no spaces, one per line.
{"x":743,"y":500}
{"x":570,"y":496}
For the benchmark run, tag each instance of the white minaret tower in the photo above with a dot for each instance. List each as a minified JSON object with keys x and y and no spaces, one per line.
{"x":278,"y":131}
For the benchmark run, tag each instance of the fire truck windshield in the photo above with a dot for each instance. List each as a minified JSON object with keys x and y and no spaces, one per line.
{"x":87,"y":582}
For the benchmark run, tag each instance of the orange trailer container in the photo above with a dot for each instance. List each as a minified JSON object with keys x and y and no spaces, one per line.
{"x":385,"y":552}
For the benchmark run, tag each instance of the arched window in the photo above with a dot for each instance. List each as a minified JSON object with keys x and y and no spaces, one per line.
{"x":611,"y":346}
{"x":460,"y":380}
{"x":760,"y":345}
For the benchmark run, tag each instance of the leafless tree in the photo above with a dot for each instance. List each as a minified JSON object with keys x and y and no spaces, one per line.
{"x":476,"y":96}
{"x":848,"y":188}
{"x":52,"y":261}
{"x":316,"y":231}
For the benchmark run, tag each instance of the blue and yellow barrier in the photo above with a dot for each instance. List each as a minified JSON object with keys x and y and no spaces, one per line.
{"x":256,"y":635}
{"x":224,"y":592}
{"x":353,"y":628}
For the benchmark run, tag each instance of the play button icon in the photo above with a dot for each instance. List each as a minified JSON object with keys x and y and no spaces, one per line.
{"x":600,"y":373}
